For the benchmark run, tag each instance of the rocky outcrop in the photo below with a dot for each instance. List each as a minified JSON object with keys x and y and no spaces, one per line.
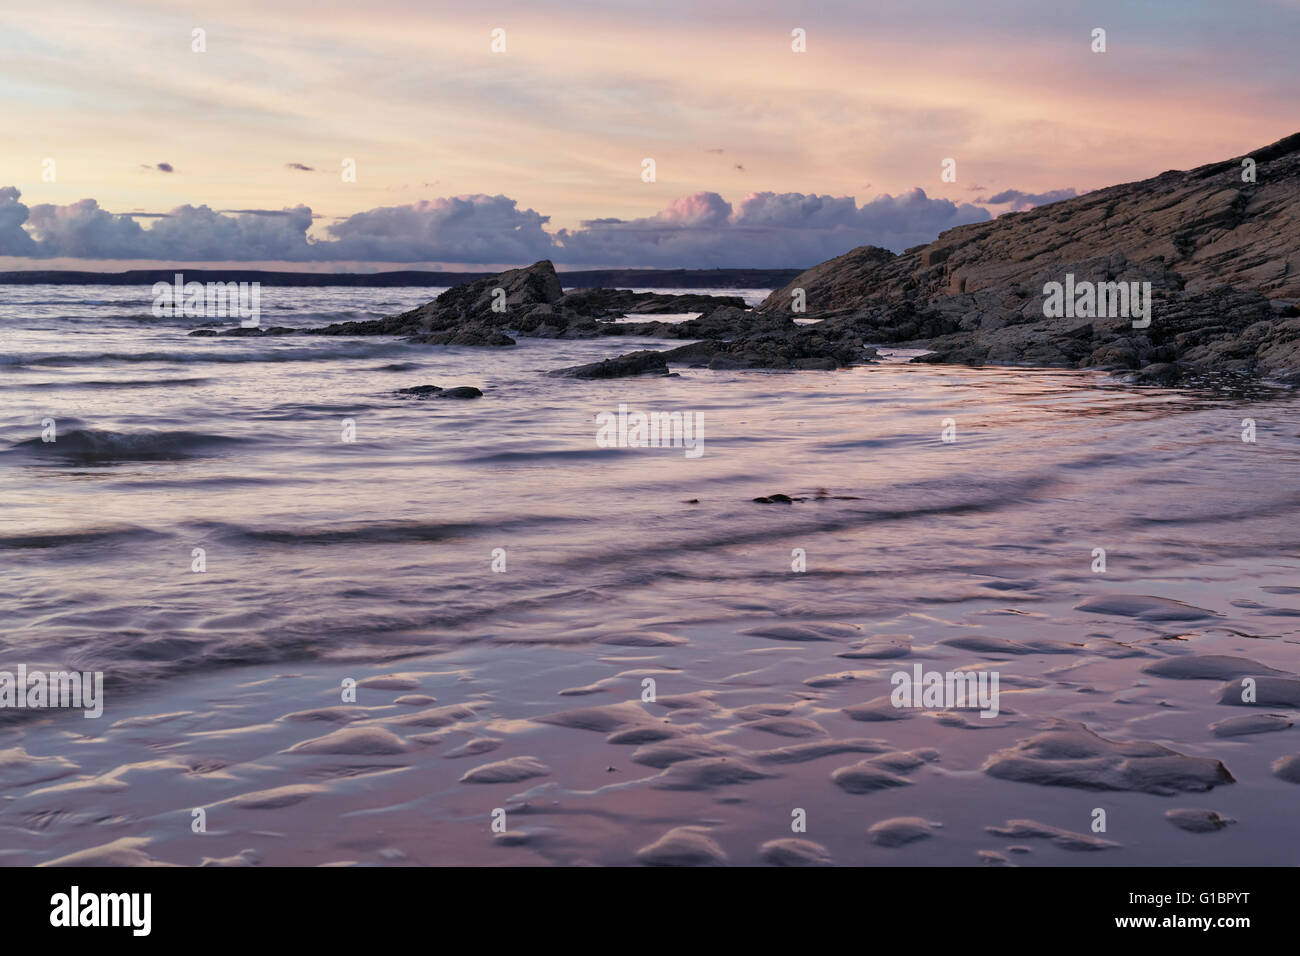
{"x":526,"y":302}
{"x":756,"y":342}
{"x":1222,"y":257}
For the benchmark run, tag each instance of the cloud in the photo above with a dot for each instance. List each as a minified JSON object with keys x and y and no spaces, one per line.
{"x":14,"y":241}
{"x":1020,"y":200}
{"x":300,"y":166}
{"x":764,"y":230}
{"x":461,"y":229}
{"x":83,"y":230}
{"x":165,"y":168}
{"x":700,"y":230}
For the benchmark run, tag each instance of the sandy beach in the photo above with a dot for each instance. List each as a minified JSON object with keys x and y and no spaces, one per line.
{"x":506,"y":717}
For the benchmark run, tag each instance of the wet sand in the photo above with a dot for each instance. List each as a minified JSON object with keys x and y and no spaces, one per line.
{"x":748,"y":726}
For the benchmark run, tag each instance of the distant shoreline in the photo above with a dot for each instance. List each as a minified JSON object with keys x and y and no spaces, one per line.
{"x":591,"y":278}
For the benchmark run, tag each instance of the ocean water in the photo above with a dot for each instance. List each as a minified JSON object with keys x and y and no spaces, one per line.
{"x":492,"y":553}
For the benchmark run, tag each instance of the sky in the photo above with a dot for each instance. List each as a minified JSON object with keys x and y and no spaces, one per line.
{"x":123,"y":145}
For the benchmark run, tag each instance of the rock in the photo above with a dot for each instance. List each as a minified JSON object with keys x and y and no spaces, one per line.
{"x":1219,"y":255}
{"x":1159,"y":373}
{"x":465,"y":314}
{"x":612,"y":303}
{"x":255,"y":331}
{"x":460,"y":391}
{"x":490,"y":312}
{"x":473,"y":335}
{"x":634,"y":363}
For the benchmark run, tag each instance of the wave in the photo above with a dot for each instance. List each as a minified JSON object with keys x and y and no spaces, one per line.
{"x":90,"y":446}
{"x":111,"y":383}
{"x":200,"y":355}
{"x":59,"y":539}
{"x":380,"y":532}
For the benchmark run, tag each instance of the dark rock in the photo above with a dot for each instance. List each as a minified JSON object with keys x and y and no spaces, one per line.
{"x":1159,"y":373}
{"x":469,"y":335}
{"x":532,"y":303}
{"x":612,"y":303}
{"x":255,"y":331}
{"x":437,"y":391}
{"x":634,"y":363}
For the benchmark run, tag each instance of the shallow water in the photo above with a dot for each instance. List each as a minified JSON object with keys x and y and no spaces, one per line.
{"x":329,"y":559}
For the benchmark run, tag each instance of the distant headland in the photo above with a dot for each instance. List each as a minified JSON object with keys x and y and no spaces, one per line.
{"x":592,"y":278}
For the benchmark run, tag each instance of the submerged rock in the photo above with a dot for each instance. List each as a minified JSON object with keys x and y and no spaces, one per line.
{"x":633,"y":363}
{"x":437,"y":391}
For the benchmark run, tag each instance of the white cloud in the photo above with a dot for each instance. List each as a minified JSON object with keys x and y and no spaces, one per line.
{"x":701,"y":230}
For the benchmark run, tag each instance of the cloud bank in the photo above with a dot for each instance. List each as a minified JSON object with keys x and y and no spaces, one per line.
{"x":702,"y":230}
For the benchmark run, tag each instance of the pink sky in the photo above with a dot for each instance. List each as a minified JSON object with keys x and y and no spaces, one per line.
{"x":561,"y":120}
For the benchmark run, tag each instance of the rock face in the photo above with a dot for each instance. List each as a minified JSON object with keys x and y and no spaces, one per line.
{"x":1222,"y":256}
